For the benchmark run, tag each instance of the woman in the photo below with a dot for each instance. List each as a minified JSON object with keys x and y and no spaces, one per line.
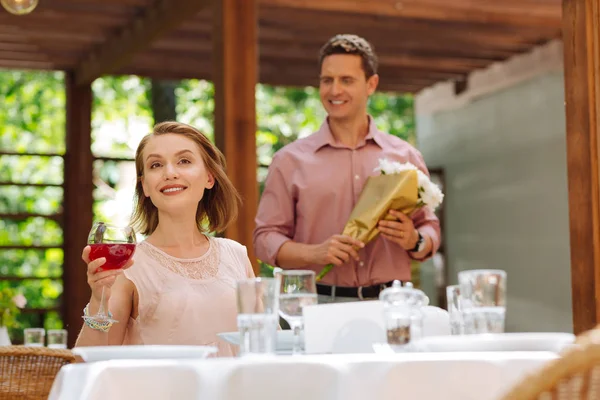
{"x":180,"y":287}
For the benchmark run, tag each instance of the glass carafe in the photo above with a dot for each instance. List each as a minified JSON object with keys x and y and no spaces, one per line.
{"x":402,"y":307}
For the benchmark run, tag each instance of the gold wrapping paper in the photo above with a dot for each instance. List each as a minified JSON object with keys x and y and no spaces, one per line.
{"x":380,"y":194}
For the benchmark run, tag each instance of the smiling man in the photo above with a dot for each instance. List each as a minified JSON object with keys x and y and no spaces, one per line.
{"x":314,"y":183}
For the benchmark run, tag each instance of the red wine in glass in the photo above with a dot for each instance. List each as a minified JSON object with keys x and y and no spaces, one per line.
{"x":116,"y":254}
{"x":117,"y":245}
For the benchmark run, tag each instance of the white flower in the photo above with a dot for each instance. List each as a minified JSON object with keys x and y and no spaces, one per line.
{"x":430,"y":194}
{"x":19,"y":300}
{"x":388,"y":167}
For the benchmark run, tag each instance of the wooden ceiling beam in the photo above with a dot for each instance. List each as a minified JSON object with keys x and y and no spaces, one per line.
{"x":303,"y":58}
{"x":56,"y":18}
{"x":279,"y":71}
{"x":108,"y":6}
{"x":27,"y":65}
{"x":312,"y":29}
{"x":309,"y":18}
{"x":479,"y":12}
{"x":273,"y":78}
{"x":44,"y":35}
{"x":18,"y":46}
{"x":117,"y":51}
{"x":316,"y":23}
{"x":472,"y":46}
{"x":71,"y":3}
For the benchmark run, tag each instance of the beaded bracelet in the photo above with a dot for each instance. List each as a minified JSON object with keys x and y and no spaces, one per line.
{"x":93,"y":324}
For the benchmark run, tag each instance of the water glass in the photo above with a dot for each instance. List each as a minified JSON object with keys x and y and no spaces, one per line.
{"x":258,"y":314}
{"x":57,"y":339}
{"x":456,"y":311}
{"x":298,"y":289}
{"x":483,"y":293}
{"x":34,"y":337}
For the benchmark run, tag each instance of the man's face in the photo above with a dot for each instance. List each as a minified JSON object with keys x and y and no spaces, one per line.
{"x":343,"y":88}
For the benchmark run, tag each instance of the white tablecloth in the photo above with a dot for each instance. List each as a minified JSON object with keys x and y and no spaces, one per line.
{"x":448,"y":376}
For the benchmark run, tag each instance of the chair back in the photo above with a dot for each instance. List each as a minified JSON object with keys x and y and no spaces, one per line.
{"x":573,"y":376}
{"x":27,"y":373}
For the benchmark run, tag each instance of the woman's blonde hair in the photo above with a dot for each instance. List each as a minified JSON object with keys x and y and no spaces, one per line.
{"x":219,"y":205}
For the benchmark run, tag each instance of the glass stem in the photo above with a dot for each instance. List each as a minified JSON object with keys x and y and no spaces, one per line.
{"x":297,"y":328}
{"x":101,"y":311}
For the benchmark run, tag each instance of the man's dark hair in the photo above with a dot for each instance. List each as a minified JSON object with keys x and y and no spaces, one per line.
{"x":351,"y":44}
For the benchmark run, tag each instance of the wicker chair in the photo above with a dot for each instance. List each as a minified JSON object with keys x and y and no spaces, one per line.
{"x":27,"y":373}
{"x":573,"y":376}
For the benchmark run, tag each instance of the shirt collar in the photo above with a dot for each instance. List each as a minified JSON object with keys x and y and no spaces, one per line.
{"x":324,"y":137}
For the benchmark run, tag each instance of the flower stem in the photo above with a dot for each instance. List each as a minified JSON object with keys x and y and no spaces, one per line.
{"x":324,"y":272}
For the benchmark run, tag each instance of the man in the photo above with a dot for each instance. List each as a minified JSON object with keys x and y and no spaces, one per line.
{"x":314,"y":183}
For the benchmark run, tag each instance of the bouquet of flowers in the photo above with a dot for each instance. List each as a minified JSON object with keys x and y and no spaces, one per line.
{"x":10,"y":303}
{"x":399,"y":186}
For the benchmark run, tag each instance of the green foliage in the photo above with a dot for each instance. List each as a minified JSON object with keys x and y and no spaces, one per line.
{"x":32,"y":117}
{"x":11,"y":301}
{"x":121,"y":115}
{"x":32,"y":120}
{"x":195,"y":105}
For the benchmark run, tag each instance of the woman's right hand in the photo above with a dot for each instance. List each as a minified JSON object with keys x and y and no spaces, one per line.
{"x":98,"y":278}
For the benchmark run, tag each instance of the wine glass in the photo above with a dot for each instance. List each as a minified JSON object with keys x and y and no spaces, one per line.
{"x":298,"y":289}
{"x":117,"y":245}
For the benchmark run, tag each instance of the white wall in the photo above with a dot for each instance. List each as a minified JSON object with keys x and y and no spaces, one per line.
{"x":503,"y":147}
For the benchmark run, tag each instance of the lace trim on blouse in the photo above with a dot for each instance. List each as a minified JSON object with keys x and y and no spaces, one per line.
{"x":204,"y":267}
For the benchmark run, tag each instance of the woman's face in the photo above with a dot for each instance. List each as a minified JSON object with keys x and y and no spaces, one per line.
{"x":175,"y":175}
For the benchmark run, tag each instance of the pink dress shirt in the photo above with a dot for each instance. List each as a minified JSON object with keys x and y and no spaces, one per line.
{"x":311,"y":188}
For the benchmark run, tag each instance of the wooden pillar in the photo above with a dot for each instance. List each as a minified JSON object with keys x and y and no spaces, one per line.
{"x":78,"y":202}
{"x":235,"y":75}
{"x":581,"y":36}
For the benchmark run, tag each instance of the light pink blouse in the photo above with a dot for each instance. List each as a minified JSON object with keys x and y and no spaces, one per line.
{"x":187,"y":301}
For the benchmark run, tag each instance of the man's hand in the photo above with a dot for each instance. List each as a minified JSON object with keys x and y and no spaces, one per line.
{"x":401,"y":230}
{"x":336,"y":250}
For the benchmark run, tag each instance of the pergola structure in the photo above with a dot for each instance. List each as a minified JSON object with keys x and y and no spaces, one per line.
{"x":237,"y":43}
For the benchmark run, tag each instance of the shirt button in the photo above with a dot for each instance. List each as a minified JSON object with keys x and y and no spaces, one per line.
{"x":356,"y":177}
{"x":362,"y":264}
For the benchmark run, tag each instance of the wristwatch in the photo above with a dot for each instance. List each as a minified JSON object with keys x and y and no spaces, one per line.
{"x":420,"y":245}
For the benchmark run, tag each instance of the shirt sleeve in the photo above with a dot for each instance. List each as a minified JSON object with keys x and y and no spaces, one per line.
{"x":275,"y":222}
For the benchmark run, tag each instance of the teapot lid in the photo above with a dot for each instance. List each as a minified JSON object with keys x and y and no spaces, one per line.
{"x":407,"y":295}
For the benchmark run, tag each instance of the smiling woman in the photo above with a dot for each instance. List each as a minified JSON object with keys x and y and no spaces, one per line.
{"x":181,"y":289}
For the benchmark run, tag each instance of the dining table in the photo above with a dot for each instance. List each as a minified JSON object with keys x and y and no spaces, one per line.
{"x":419,"y":375}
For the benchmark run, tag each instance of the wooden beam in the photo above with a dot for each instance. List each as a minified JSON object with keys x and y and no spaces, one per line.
{"x":280,"y":72}
{"x":582,"y":90}
{"x":78,"y":201}
{"x":302,"y":57}
{"x":235,"y":76}
{"x":315,"y":26}
{"x":271,"y":42}
{"x":114,"y":53}
{"x":477,"y":12}
{"x":307,"y":20}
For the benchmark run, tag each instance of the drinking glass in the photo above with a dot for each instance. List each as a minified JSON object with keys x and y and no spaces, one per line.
{"x":298,"y":289}
{"x":34,"y":337}
{"x":57,"y":339}
{"x":258,"y":306}
{"x":483,"y":294}
{"x":117,"y":245}
{"x":458,"y":325}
